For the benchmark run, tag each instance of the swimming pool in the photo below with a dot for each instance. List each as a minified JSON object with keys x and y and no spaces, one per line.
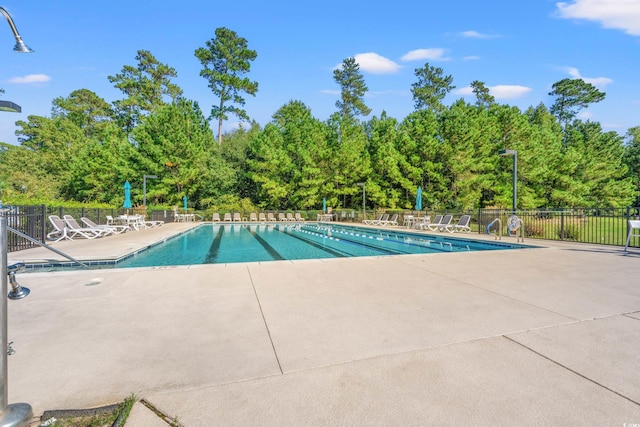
{"x":234,"y":243}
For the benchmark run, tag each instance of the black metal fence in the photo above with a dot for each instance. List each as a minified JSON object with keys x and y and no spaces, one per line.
{"x":30,"y":220}
{"x":605,"y":226}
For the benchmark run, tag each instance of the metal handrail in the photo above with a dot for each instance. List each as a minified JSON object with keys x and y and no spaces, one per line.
{"x":44,"y":245}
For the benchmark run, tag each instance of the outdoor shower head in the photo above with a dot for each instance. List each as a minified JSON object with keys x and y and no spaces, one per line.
{"x":20,"y":46}
{"x":17,"y":291}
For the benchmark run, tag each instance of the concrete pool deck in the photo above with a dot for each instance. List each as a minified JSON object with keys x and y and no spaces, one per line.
{"x":544,"y":336}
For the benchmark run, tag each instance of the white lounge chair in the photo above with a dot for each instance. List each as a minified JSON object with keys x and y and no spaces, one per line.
{"x":271,"y":217}
{"x":380,"y":221}
{"x":372,"y":221}
{"x":141,"y":222}
{"x":117,"y":229}
{"x":216,"y":217}
{"x":237,"y":217}
{"x":298,"y":217}
{"x":461,"y":226}
{"x":392,"y":221}
{"x":59,"y":229}
{"x":441,"y":226}
{"x":227,"y":217}
{"x":74,"y":229}
{"x":253,"y":217}
{"x":290,"y":217}
{"x":262,"y":217}
{"x":436,"y":221}
{"x":281,"y":216}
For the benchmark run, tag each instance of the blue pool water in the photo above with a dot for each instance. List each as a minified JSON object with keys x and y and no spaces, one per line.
{"x":232,"y":243}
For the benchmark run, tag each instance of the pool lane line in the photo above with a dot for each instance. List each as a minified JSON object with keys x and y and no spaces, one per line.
{"x":336,"y":253}
{"x":367,"y":245}
{"x":270,"y":249}
{"x":394,"y":238}
{"x":214,"y":249}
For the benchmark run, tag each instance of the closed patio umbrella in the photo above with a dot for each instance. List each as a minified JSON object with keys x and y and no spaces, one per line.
{"x":419,"y":199}
{"x":324,"y":205}
{"x":127,"y":196}
{"x":184,"y":203}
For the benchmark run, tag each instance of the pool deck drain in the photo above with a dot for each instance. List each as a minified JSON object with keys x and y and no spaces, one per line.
{"x":545,"y":336}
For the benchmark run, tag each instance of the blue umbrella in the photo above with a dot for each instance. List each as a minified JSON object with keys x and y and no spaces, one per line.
{"x":184,"y":202}
{"x":127,"y":196}
{"x":419,"y":199}
{"x":324,"y":205}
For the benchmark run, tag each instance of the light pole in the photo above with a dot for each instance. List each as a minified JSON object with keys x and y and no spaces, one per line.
{"x":513,"y":153}
{"x":144,"y":188}
{"x":364,"y":199}
{"x":16,"y":414}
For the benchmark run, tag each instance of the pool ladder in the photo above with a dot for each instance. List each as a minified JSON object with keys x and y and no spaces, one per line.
{"x":498,"y":235}
{"x":516,"y":221}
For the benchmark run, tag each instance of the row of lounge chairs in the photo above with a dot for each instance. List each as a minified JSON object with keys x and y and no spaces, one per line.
{"x":445,"y":223}
{"x":440,"y":223}
{"x":68,"y":228}
{"x":261,"y":217}
{"x":382,"y":220}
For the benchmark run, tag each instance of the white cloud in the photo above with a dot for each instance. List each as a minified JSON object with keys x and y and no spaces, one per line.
{"x":31,"y":78}
{"x":499,"y":91}
{"x":599,"y":82}
{"x":508,"y":91}
{"x":471,"y":58}
{"x":475,"y":35}
{"x":616,"y":14}
{"x":373,"y":63}
{"x":330,"y":92}
{"x":433,"y":53}
{"x":584,"y":115}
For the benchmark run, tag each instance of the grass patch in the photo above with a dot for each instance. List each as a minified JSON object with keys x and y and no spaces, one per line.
{"x":98,"y":417}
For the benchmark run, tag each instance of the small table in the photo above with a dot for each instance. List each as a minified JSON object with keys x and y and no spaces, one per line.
{"x":325,"y":217}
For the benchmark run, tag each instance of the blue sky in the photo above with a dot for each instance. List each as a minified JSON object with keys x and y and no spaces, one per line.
{"x":517,"y":48}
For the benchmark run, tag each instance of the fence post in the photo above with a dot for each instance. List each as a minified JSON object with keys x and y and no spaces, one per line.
{"x":561,"y":223}
{"x":43,"y":224}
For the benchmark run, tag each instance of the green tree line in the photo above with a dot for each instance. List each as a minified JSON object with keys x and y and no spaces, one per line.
{"x":87,"y":148}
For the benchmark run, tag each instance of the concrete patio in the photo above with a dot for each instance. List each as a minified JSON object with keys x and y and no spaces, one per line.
{"x":543,"y":336}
